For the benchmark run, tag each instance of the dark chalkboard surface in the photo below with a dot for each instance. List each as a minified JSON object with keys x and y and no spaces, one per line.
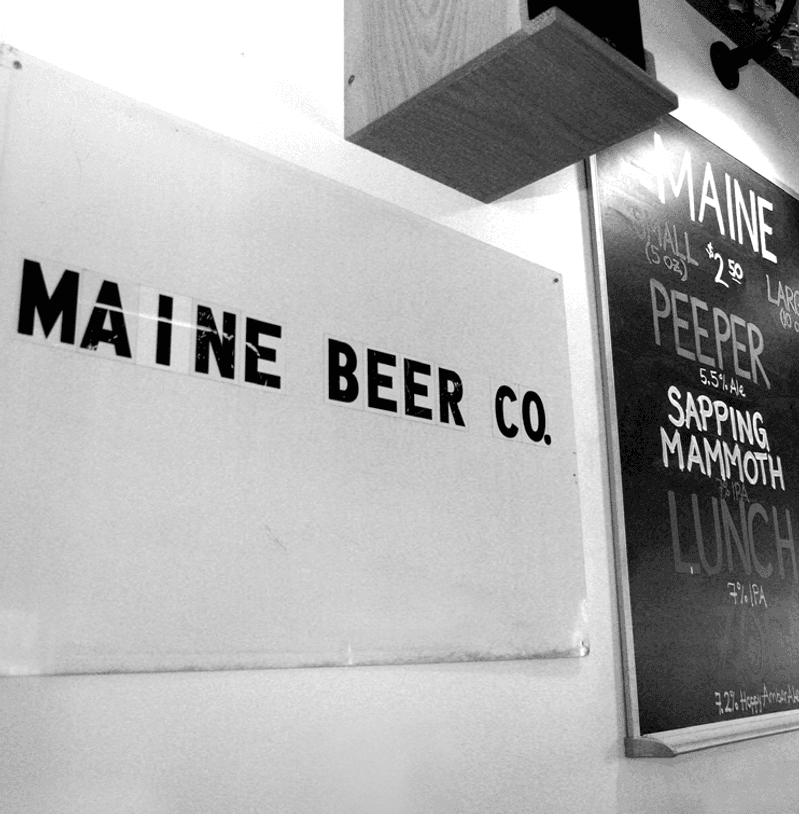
{"x":701,"y":284}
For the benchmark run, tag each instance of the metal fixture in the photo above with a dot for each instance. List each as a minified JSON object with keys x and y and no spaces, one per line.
{"x":728,"y":61}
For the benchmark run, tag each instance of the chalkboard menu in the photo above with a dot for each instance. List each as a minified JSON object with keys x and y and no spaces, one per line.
{"x":699,"y":270}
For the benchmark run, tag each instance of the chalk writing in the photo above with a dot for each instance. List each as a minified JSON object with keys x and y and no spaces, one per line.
{"x":663,"y":246}
{"x":705,"y":372}
{"x":721,"y":381}
{"x":732,"y":489}
{"x":755,"y":703}
{"x":712,"y":337}
{"x":698,"y":551}
{"x":742,"y":216}
{"x":716,"y":456}
{"x":748,"y":593}
{"x":736,"y":273}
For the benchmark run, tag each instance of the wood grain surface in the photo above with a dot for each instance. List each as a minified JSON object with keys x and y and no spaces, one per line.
{"x":394,"y":50}
{"x":545,"y":97}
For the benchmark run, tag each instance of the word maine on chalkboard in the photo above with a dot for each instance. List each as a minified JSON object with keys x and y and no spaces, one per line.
{"x":699,"y":267}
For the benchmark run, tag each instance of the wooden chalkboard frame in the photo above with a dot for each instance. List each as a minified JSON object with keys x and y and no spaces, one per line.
{"x":674,"y":742}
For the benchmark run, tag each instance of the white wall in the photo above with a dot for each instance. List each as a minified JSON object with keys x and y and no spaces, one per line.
{"x":489,"y":737}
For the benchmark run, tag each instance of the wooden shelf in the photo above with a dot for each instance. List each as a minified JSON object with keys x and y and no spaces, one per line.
{"x":548,"y":95}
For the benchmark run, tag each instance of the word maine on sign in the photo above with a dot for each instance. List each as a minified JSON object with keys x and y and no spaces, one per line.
{"x":131,"y":323}
{"x":736,"y":215}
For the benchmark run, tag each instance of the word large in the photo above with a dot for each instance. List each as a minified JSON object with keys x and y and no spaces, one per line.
{"x":140,"y":325}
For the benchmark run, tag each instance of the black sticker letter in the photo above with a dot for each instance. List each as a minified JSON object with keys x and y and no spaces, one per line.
{"x":254,"y":352}
{"x":341,"y":364}
{"x":375,"y":380}
{"x":163,"y":337}
{"x":224,"y":347}
{"x":96,"y":332}
{"x":504,"y":392}
{"x":449,"y":398}
{"x":538,"y":433}
{"x":34,"y":298}
{"x":414,"y":388}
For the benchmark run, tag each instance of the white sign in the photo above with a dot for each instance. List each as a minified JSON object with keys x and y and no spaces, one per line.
{"x":391,"y":476}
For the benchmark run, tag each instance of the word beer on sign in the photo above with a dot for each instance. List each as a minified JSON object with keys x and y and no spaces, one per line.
{"x":394,"y":384}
